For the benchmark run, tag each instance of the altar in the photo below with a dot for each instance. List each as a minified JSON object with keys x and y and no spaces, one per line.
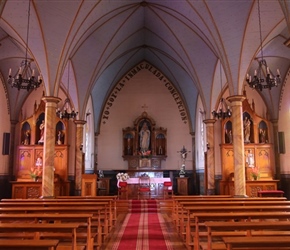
{"x":156,"y":185}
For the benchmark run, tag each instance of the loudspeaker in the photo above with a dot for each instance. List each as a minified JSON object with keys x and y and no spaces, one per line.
{"x":281,"y":143}
{"x":6,"y":144}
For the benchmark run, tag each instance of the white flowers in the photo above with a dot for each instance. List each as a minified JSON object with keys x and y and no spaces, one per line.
{"x":122,"y":176}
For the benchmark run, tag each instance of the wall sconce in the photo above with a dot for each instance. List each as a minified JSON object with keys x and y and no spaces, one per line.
{"x":81,"y":147}
{"x":207,"y":146}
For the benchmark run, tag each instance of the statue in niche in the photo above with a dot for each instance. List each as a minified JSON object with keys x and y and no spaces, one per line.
{"x":247,"y":129}
{"x":144,"y":138}
{"x":229,"y":136}
{"x":41,"y":127}
{"x":262,"y":135}
{"x":27,"y":138}
{"x":59,"y":137}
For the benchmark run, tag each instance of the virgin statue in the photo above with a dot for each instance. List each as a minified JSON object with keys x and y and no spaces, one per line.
{"x":144,"y":137}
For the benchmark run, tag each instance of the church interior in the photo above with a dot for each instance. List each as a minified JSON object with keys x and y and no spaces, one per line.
{"x":190,"y":93}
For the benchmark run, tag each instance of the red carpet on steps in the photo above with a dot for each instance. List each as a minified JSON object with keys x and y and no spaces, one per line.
{"x":143,"y":206}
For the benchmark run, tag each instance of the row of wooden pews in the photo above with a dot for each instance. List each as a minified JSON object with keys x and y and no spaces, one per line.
{"x":213,"y":222}
{"x":76,"y":222}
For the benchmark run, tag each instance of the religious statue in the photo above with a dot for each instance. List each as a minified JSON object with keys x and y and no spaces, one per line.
{"x":27,"y":137}
{"x":250,"y":160}
{"x":144,"y":138}
{"x":247,"y":129}
{"x":59,"y":137}
{"x":262,"y":135}
{"x":41,"y":127}
{"x":229,"y":136}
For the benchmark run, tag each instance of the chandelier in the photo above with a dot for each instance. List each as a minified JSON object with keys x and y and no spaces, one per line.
{"x":223,"y":111}
{"x":257,"y":82}
{"x":25,"y":76}
{"x":67,"y":112}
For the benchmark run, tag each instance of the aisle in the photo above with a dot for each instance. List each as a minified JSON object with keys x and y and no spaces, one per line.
{"x":144,"y":228}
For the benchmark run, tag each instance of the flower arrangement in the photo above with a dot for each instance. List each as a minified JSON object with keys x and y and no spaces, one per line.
{"x":122,"y":176}
{"x":145,"y":154}
{"x":255,"y":173}
{"x":35,"y":172}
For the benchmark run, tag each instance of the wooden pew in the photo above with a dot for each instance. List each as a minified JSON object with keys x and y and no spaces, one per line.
{"x":85,"y":221}
{"x":214,"y":198}
{"x":190,"y":211}
{"x":261,"y":242}
{"x":196,"y":220}
{"x":107,"y":214}
{"x":76,"y":199}
{"x":245,"y":228}
{"x":181,"y":205}
{"x":28,"y":244}
{"x":38,"y":228}
{"x":97,"y":211}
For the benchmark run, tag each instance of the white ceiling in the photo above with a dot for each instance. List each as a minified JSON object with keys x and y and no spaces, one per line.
{"x":183,"y":39}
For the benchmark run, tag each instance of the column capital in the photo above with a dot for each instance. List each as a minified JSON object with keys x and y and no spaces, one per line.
{"x":274,"y":121}
{"x":80,"y":122}
{"x":209,"y":121}
{"x":236,"y":98}
{"x":49,"y":99}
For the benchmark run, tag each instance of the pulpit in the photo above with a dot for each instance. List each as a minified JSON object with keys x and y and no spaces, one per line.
{"x":89,"y":185}
{"x":182,"y":185}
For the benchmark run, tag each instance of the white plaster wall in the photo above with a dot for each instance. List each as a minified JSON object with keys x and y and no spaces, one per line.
{"x":143,"y":89}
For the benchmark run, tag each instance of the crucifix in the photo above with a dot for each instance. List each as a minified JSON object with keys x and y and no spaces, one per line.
{"x":183,"y":153}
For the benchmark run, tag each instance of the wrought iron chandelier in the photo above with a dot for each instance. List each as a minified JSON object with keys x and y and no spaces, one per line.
{"x":25,"y":76}
{"x":257,"y":82}
{"x":223,"y":111}
{"x":67,"y":112}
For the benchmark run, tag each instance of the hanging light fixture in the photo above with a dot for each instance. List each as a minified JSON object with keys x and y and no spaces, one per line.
{"x":257,"y":82}
{"x":66,"y":112}
{"x":25,"y":76}
{"x":223,"y":111}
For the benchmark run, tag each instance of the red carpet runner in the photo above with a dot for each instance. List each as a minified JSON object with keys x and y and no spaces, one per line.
{"x":143,"y":229}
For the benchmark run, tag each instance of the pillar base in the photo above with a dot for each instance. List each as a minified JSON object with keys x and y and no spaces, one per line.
{"x":241,"y":196}
{"x":78,"y":192}
{"x":47,"y":197}
{"x":211,"y":192}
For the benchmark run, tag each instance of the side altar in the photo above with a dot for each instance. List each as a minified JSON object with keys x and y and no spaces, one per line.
{"x":144,"y":144}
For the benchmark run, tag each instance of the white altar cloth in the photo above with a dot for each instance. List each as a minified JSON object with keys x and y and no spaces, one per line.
{"x":152,"y":180}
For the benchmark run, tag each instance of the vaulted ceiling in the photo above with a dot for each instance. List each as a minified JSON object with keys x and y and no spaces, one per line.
{"x":185,"y":40}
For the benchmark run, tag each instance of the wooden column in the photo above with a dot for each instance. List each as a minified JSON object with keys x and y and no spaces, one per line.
{"x":238,"y":144}
{"x":79,"y":155}
{"x":276,"y":152}
{"x":12,"y":154}
{"x":49,"y":146}
{"x":210,"y":156}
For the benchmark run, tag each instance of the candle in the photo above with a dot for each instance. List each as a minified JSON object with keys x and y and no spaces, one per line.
{"x":268,"y":71}
{"x":33,"y":72}
{"x":255,"y":72}
{"x":278,"y":72}
{"x":10,"y":72}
